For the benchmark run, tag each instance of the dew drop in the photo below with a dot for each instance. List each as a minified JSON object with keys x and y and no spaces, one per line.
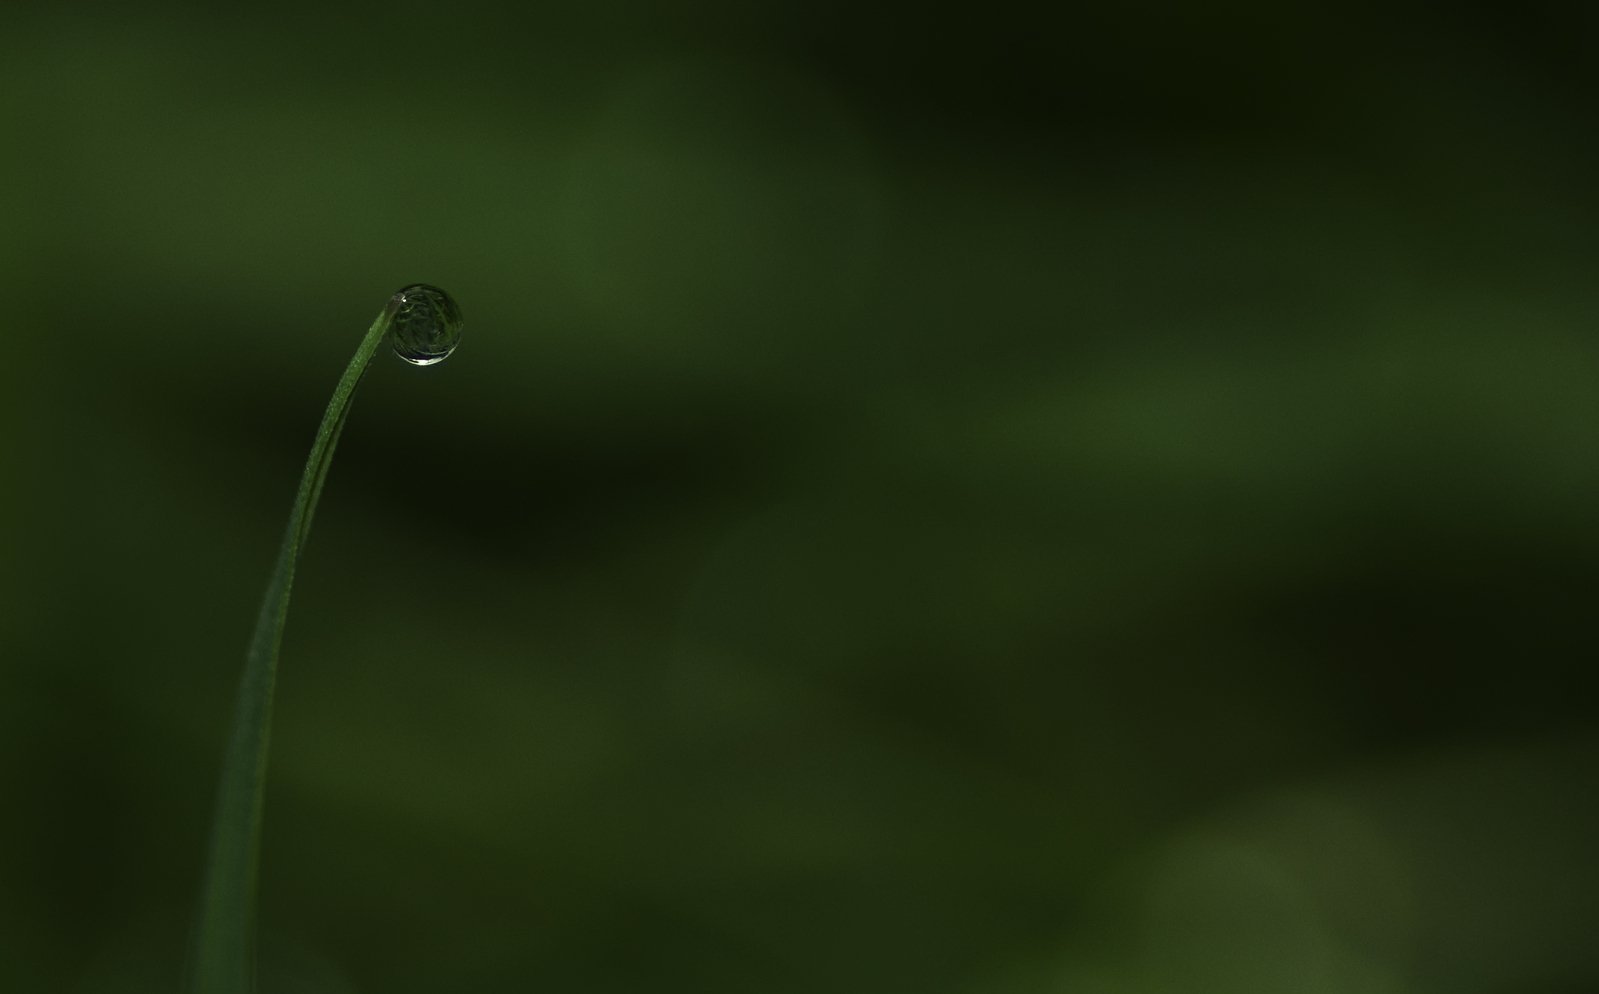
{"x":427,"y":324}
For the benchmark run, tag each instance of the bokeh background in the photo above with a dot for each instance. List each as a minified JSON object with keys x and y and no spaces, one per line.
{"x":999,"y":500}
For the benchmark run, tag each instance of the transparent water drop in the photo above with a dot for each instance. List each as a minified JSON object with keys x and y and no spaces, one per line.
{"x":427,"y":324}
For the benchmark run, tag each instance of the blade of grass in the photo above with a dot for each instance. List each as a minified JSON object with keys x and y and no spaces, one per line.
{"x":223,"y":953}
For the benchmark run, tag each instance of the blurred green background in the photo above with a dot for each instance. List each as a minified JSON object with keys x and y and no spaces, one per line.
{"x":995,"y":501}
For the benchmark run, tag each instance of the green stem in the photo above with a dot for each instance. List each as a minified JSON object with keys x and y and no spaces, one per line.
{"x":223,"y":952}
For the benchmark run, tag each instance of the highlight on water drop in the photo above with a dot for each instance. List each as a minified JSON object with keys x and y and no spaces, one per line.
{"x":427,"y":324}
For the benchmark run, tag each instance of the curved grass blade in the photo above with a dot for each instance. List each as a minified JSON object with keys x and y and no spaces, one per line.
{"x":222,"y":957}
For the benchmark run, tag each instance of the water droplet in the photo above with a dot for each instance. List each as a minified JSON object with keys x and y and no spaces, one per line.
{"x":427,"y":324}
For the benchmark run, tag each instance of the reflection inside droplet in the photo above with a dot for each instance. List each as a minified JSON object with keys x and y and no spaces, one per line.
{"x":427,"y":325}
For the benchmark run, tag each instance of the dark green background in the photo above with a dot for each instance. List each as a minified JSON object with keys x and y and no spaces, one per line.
{"x":987,"y":501}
